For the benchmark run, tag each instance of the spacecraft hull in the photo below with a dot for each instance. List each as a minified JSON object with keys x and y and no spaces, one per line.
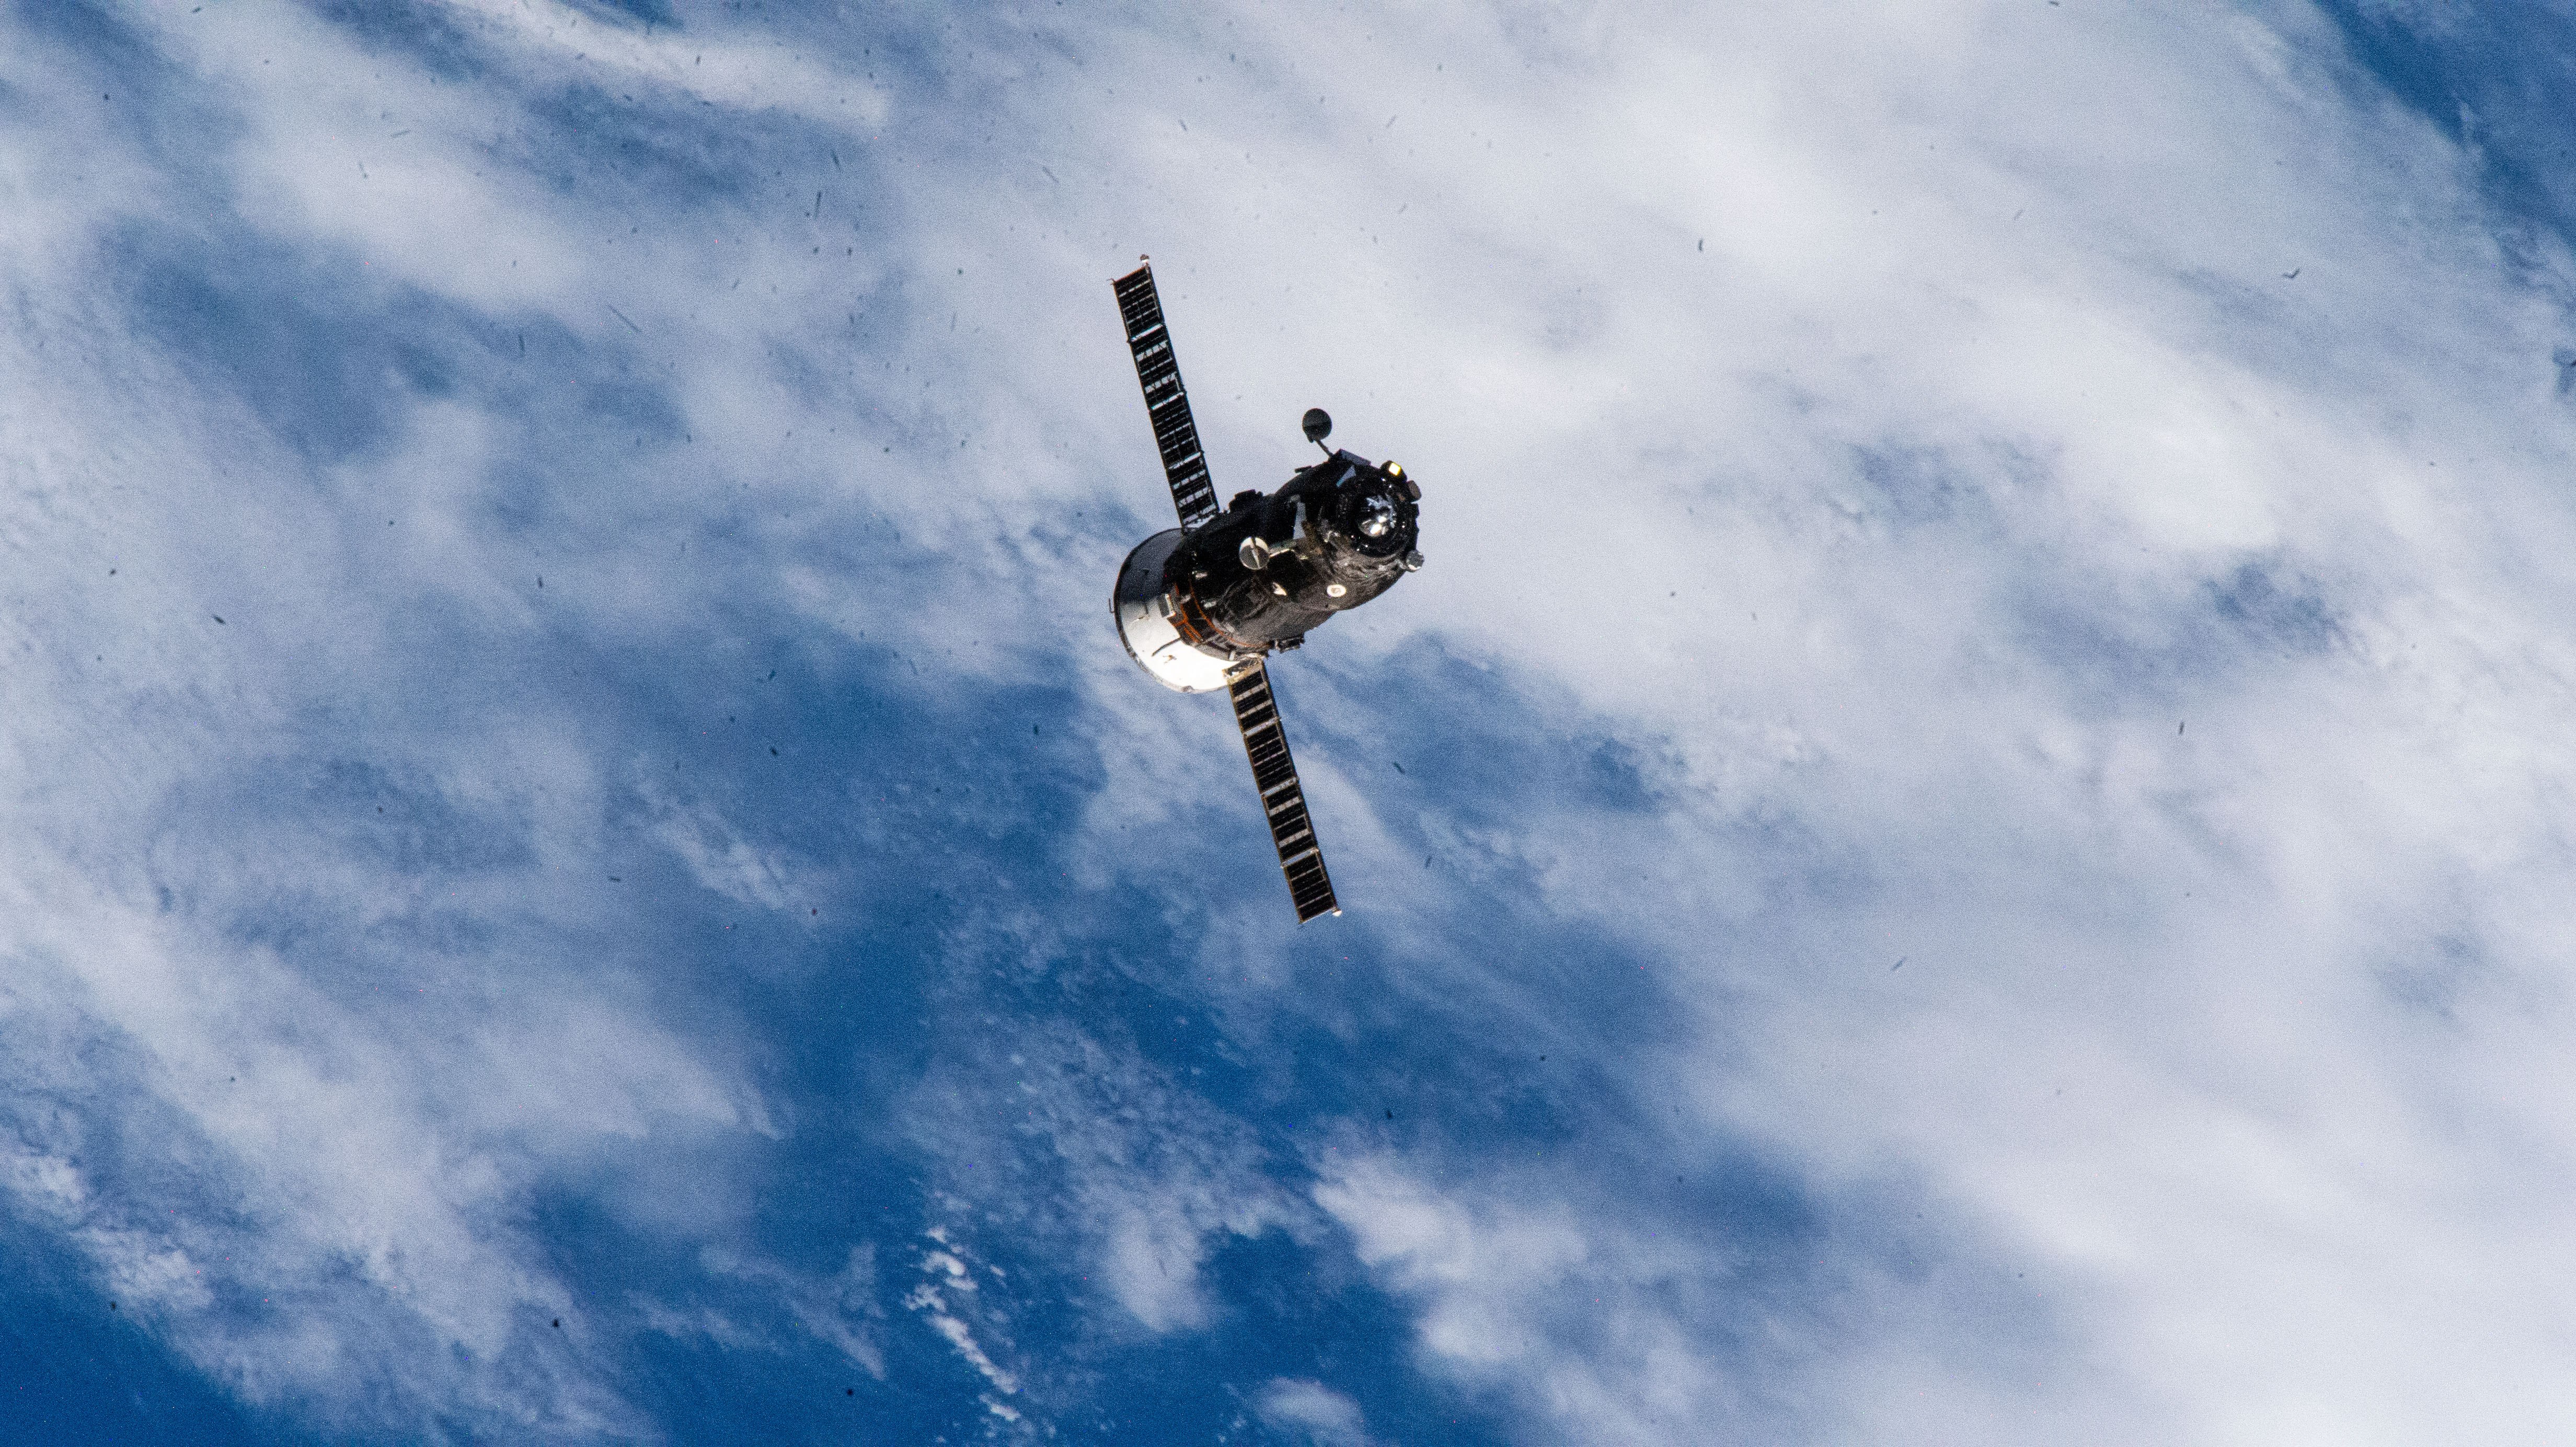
{"x":1152,"y":615}
{"x":1271,"y":568}
{"x":1192,"y":604}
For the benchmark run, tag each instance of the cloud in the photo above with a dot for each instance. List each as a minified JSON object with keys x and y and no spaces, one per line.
{"x":1316,"y":1412}
{"x":944,"y":1275}
{"x":1987,"y":692}
{"x":1104,"y":1156}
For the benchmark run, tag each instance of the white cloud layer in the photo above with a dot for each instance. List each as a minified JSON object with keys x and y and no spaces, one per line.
{"x":1989,"y":691}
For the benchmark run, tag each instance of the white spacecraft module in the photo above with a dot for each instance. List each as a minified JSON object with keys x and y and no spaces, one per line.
{"x":1201,"y":605}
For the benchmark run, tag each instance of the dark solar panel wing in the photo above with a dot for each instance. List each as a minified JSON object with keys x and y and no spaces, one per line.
{"x":1275,"y":774}
{"x":1175,"y":433}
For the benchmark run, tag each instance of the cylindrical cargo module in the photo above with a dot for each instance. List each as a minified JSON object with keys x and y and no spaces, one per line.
{"x":1194,"y":604}
{"x":1145,"y":604}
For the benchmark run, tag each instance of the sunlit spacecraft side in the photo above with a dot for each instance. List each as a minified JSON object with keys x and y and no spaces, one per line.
{"x":1200,"y":606}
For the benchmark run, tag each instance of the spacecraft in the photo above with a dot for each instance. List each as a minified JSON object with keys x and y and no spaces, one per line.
{"x":1200,"y":606}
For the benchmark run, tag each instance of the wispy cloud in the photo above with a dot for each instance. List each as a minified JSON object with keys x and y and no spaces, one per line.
{"x":564,"y":762}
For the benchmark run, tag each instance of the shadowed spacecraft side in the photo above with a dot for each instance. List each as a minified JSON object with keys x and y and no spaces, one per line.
{"x":1199,"y":606}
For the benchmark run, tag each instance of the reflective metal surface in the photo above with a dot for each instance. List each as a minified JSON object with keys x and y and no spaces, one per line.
{"x":1142,"y":604}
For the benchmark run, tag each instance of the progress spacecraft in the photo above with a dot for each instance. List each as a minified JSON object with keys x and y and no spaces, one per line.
{"x":1200,"y":606}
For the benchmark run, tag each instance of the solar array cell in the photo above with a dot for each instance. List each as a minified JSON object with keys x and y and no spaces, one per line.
{"x":1274,"y":773}
{"x":1176,"y":433}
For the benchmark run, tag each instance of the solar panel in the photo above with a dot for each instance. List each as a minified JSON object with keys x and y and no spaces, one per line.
{"x":1274,"y":773}
{"x":1176,"y":434}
